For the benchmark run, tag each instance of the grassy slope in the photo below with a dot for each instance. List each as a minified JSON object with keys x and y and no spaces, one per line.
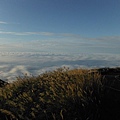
{"x":59,"y":95}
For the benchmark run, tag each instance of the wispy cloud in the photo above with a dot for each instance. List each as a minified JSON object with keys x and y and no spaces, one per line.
{"x":41,"y":33}
{"x":70,"y":35}
{"x":27,"y":33}
{"x":69,"y":39}
{"x":13,"y":33}
{"x":2,"y":22}
{"x":107,"y":38}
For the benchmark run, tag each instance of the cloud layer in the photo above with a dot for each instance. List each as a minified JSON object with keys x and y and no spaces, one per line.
{"x":13,"y":64}
{"x":33,"y":57}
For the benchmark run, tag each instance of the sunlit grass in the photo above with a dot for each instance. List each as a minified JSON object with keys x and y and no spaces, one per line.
{"x":62,"y":94}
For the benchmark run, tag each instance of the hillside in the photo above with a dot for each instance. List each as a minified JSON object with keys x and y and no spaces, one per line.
{"x":63,"y":94}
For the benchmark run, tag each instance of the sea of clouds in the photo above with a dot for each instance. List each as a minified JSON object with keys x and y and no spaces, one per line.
{"x":14,"y":64}
{"x":38,"y":56}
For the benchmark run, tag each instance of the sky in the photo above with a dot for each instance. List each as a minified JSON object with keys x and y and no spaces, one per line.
{"x":57,"y":33}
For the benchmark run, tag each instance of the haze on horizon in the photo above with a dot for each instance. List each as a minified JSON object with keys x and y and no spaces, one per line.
{"x":40,"y":35}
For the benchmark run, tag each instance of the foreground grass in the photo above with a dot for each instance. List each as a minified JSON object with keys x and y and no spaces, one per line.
{"x":59,"y":95}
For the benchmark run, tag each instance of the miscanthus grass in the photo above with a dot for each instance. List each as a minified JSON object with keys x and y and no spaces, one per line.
{"x":62,"y":94}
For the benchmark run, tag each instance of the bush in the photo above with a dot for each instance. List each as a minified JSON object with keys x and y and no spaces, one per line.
{"x":62,"y":94}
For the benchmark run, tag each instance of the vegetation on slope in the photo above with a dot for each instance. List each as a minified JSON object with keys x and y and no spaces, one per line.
{"x":62,"y":94}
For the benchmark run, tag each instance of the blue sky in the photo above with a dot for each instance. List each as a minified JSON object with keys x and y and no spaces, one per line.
{"x":87,"y":18}
{"x":40,"y":35}
{"x":91,"y":23}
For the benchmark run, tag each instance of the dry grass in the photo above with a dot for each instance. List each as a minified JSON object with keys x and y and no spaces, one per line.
{"x":62,"y":94}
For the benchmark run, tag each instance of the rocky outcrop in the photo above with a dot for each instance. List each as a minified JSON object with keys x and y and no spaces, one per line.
{"x":111,"y":76}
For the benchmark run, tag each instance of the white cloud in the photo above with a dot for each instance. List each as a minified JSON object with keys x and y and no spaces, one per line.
{"x":69,"y":37}
{"x":41,"y":33}
{"x":14,"y":64}
{"x":14,"y":33}
{"x":27,"y":33}
{"x":2,"y":22}
{"x":65,"y":45}
{"x":65,"y":36}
